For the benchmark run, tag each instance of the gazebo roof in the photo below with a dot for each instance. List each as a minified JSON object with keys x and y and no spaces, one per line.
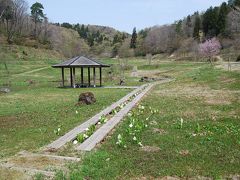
{"x":80,"y":61}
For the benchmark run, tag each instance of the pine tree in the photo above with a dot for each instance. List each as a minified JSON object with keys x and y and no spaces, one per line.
{"x":236,"y":3}
{"x":134,"y":39}
{"x":83,"y":32}
{"x":116,"y":39}
{"x":209,"y":22}
{"x":233,"y":3}
{"x":76,"y":27}
{"x":179,"y":27}
{"x":197,"y":26}
{"x":37,"y":15}
{"x":90,"y":40}
{"x":222,"y":18}
{"x":189,"y":25}
{"x":67,"y":25}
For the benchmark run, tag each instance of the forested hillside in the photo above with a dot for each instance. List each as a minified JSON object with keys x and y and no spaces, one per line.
{"x":181,"y":39}
{"x":20,"y":28}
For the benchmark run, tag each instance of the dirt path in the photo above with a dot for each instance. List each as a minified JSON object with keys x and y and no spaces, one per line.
{"x":232,"y":66}
{"x":32,"y":71}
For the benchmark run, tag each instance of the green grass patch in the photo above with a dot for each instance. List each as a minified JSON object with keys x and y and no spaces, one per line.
{"x":206,"y":143}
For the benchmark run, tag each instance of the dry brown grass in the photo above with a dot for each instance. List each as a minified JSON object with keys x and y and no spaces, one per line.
{"x":36,"y":162}
{"x":150,"y":149}
{"x":209,"y":96}
{"x":8,"y":174}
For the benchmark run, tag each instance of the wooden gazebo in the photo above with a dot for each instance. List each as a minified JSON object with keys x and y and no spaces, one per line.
{"x":81,"y":62}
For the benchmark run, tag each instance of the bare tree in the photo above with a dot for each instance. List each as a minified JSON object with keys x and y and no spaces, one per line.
{"x":66,"y":41}
{"x":3,"y":6}
{"x":13,"y":15}
{"x":20,"y":13}
{"x":149,"y":58}
{"x":124,"y":50}
{"x":161,"y":40}
{"x":233,"y":21}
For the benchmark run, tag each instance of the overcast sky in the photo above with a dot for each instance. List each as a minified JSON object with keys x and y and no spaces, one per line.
{"x":123,"y":15}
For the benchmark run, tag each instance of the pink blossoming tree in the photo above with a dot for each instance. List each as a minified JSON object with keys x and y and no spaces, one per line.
{"x":210,"y":48}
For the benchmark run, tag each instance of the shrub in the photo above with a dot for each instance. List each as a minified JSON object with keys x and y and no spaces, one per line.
{"x":238,"y":59}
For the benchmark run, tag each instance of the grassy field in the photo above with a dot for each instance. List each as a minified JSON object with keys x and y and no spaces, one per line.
{"x":195,"y":131}
{"x":36,"y":107}
{"x":206,"y":142}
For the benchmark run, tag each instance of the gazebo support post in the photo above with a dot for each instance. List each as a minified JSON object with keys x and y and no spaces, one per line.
{"x":62,"y":77}
{"x":89,"y":80}
{"x":100,"y":71}
{"x":94,"y":77}
{"x":71,"y":78}
{"x":82,"y":76}
{"x":74,"y":81}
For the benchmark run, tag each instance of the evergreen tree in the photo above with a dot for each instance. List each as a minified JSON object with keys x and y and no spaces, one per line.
{"x":134,"y":39}
{"x":82,"y":32}
{"x":189,"y":25}
{"x":179,"y":27}
{"x":67,"y":25}
{"x":237,"y":3}
{"x":209,"y":22}
{"x":77,"y":27}
{"x":37,"y":15}
{"x":197,"y":26}
{"x":116,"y":39}
{"x":222,"y":18}
{"x":90,"y":40}
{"x":234,"y":3}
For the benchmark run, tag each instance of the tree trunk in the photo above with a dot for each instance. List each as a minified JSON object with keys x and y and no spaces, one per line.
{"x":210,"y":60}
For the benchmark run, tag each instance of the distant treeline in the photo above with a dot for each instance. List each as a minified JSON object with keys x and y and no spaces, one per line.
{"x":181,"y":38}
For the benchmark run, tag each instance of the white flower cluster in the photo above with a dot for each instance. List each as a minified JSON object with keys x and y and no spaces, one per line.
{"x":120,"y":141}
{"x":57,"y":131}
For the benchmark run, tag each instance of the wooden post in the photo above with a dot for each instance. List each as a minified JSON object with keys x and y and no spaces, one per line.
{"x":62,"y":77}
{"x":89,"y":80}
{"x":94,"y":77}
{"x":74,"y":83}
{"x":229,"y":65}
{"x":100,"y":71}
{"x":81,"y":76}
{"x":71,"y":78}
